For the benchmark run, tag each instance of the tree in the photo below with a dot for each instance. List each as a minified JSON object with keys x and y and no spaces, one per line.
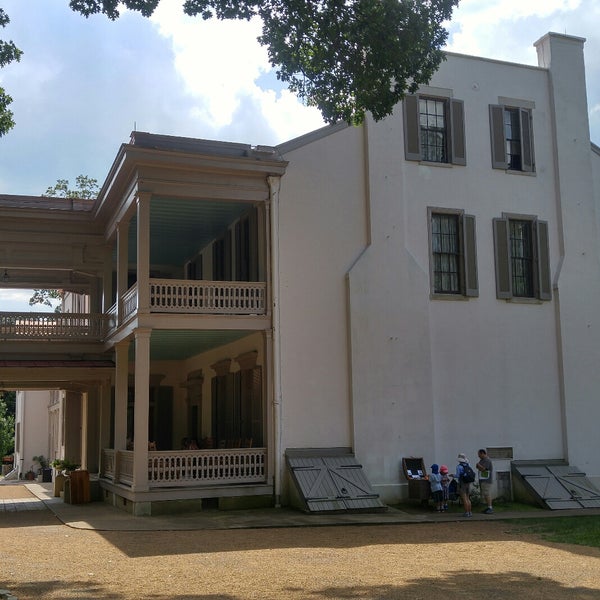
{"x":86,"y":188}
{"x":345,"y":57}
{"x":8,"y":53}
{"x":7,"y":429}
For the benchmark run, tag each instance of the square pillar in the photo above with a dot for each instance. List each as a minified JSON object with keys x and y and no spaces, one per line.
{"x":141,"y":409}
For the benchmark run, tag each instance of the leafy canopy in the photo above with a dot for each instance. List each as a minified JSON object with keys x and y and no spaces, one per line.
{"x":345,"y":57}
{"x":8,"y":53}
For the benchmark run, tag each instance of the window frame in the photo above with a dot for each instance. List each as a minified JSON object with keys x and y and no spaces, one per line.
{"x":504,"y":260}
{"x":454,"y":129}
{"x":467,"y":254}
{"x":499,"y":141}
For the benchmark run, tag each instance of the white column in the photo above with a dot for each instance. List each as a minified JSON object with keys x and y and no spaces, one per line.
{"x":84,"y":430}
{"x":141,"y":409}
{"x":122,"y":267}
{"x":121,"y":385}
{"x":104,"y":420}
{"x":143,"y":252}
{"x":107,"y":280}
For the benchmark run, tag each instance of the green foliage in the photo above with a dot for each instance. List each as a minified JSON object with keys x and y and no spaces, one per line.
{"x":44,"y":297}
{"x":64,"y":465}
{"x":85,"y":188}
{"x":7,"y":430}
{"x":8,"y":53}
{"x":42,"y":461}
{"x":345,"y":57}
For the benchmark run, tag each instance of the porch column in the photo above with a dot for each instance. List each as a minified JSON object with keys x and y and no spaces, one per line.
{"x":107,"y":280}
{"x":121,"y":385}
{"x":143,"y":252}
{"x":141,"y":409}
{"x":84,"y":430}
{"x":122,"y":267}
{"x":104,"y":420}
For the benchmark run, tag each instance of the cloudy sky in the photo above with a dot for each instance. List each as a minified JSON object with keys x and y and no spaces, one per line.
{"x":84,"y":84}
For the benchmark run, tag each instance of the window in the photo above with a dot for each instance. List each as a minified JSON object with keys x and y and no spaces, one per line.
{"x":512,"y":138}
{"x":453,"y":256}
{"x":434,"y":129}
{"x":522,"y":258}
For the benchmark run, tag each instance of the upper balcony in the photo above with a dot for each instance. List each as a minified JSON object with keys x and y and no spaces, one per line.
{"x":166,"y":296}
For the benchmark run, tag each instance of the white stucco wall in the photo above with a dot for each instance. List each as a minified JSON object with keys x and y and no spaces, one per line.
{"x":32,"y":415}
{"x":432,"y":377}
{"x":322,"y":231}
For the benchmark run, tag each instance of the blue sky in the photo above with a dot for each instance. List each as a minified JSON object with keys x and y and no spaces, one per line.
{"x":83,"y":84}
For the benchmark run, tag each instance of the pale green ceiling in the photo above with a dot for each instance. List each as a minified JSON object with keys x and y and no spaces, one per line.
{"x":180,"y":227}
{"x":181,"y":345}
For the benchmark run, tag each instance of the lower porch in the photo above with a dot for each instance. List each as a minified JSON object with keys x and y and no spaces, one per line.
{"x":190,"y":480}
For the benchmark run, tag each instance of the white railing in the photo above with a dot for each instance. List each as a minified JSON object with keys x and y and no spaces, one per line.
{"x":192,"y":468}
{"x":56,"y":326}
{"x":220,"y":297}
{"x":124,"y":467}
{"x":108,"y":462}
{"x":129,"y":302}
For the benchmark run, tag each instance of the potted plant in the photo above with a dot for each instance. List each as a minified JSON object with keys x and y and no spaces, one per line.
{"x":45,"y":471}
{"x":64,"y":465}
{"x":30,"y":475}
{"x":63,"y":468}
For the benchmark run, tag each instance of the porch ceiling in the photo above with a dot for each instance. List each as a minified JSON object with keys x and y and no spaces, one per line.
{"x":180,"y":227}
{"x":181,"y":345}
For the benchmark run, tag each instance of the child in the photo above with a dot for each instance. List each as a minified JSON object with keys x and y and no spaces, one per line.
{"x":445,"y":486}
{"x":435,"y":482}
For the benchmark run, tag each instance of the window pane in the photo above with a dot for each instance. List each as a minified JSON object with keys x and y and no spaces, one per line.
{"x":432,"y":117}
{"x":445,"y":254}
{"x":521,"y":257}
{"x":512,"y":133}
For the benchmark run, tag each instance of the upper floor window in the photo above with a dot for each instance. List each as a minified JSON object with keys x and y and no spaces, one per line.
{"x":453,"y":260}
{"x":434,"y":129}
{"x":512,"y":138}
{"x":522,"y":258}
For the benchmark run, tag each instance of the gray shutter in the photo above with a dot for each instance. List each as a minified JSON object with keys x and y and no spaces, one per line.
{"x":412,"y":128}
{"x":543,"y":261}
{"x":526,"y":140}
{"x":470,"y":256}
{"x":457,"y":132}
{"x":497,"y":137}
{"x":502,"y":259}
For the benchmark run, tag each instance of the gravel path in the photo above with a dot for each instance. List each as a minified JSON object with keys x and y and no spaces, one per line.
{"x":42,"y":558}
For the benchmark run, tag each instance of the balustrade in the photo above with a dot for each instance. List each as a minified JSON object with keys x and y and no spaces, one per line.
{"x":190,"y":467}
{"x":59,"y":326}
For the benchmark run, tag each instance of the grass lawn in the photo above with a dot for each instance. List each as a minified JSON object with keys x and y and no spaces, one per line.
{"x":583,"y":531}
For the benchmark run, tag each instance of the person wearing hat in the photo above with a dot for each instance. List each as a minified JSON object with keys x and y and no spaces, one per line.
{"x":445,"y":486}
{"x":464,"y":489}
{"x":435,"y":482}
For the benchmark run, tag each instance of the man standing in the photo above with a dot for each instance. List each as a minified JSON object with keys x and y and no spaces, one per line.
{"x":485,"y":468}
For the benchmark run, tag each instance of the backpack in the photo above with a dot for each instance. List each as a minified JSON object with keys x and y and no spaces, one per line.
{"x":467,"y":475}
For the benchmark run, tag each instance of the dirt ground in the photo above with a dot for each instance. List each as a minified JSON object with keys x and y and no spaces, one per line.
{"x":42,"y":558}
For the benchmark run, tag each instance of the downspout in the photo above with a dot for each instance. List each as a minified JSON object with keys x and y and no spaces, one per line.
{"x":274,"y":186}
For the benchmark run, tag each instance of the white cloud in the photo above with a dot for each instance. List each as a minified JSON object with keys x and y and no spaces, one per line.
{"x":494,"y":28}
{"x":219,"y":63}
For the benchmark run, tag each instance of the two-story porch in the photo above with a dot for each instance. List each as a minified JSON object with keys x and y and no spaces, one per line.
{"x":174,"y":260}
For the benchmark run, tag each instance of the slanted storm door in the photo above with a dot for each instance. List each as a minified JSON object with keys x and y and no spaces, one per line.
{"x":333,"y":483}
